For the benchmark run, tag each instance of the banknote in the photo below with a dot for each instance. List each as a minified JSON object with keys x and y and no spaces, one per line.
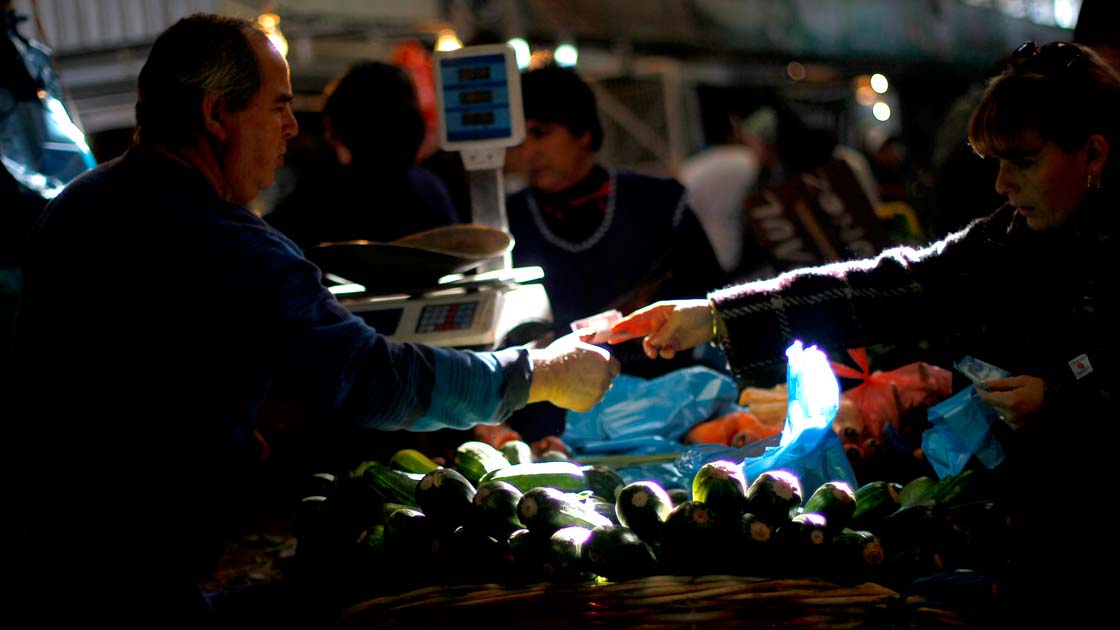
{"x":979,"y":371}
{"x":599,"y":324}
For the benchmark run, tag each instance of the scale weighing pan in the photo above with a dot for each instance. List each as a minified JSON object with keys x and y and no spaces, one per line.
{"x":415,"y":262}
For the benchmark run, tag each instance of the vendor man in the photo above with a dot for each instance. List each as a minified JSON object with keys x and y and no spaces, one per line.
{"x":160,"y":315}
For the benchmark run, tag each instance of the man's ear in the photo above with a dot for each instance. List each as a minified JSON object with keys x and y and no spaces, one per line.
{"x":212,"y":116}
{"x":584,"y":140}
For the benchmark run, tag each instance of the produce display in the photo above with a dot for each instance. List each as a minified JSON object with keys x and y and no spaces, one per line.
{"x":484,"y":519}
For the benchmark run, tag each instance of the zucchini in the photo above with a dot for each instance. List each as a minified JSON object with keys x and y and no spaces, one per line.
{"x":475,"y":458}
{"x":447,"y":497}
{"x":643,"y":507}
{"x":757,"y":551}
{"x":409,"y":534}
{"x":517,"y":452}
{"x":722,"y":486}
{"x":774,"y":496}
{"x":565,"y":476}
{"x":320,"y":485}
{"x":836,"y":501}
{"x":968,"y":485}
{"x":564,"y":559}
{"x":495,"y":511}
{"x":804,"y":544}
{"x":413,"y":461}
{"x":393,"y":486}
{"x":916,"y":490}
{"x":528,"y":552}
{"x":618,"y":554}
{"x":470,"y":556}
{"x":603,"y":480}
{"x":856,"y":556}
{"x":875,"y":501}
{"x":546,"y":509}
{"x":602,"y":506}
{"x":692,"y":542}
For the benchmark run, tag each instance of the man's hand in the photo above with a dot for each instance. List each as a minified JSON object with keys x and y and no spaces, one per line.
{"x":572,"y":374}
{"x":1016,"y":398}
{"x":668,"y":327}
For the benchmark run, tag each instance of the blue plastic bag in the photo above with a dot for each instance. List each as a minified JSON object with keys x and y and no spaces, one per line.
{"x":643,"y":417}
{"x":636,"y":413}
{"x":807,"y":446}
{"x":962,"y":427}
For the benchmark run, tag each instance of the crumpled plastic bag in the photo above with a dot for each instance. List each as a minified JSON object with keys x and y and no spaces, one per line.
{"x":807,"y":446}
{"x":886,"y":398}
{"x":639,"y":414}
{"x":962,"y":427}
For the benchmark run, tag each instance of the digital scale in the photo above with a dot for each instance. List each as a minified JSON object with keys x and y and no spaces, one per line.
{"x":478,"y":97}
{"x":485,"y":311}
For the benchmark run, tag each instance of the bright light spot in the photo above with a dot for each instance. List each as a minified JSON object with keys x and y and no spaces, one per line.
{"x":270,"y":24}
{"x":448,"y":40}
{"x":795,"y":70}
{"x":63,"y":123}
{"x":521,"y":52}
{"x":566,"y":55}
{"x":865,"y":96}
{"x":881,"y":111}
{"x":879,"y":83}
{"x":1065,"y":12}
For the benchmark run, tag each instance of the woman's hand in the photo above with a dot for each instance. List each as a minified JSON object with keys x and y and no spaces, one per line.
{"x":667,"y":327}
{"x":572,"y":374}
{"x":1017,"y":398}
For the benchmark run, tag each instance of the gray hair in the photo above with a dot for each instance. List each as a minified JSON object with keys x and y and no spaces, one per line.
{"x":198,"y":55}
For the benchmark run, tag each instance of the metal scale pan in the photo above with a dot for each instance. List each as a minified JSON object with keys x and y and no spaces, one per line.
{"x":413,"y":263}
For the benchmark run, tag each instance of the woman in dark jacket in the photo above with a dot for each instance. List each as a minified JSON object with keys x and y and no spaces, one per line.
{"x":1030,"y":288}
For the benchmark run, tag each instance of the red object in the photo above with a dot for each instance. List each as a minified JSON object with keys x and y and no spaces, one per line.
{"x":414,"y":57}
{"x":886,"y":397}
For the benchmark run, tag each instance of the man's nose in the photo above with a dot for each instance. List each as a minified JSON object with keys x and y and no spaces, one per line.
{"x":291,"y":126}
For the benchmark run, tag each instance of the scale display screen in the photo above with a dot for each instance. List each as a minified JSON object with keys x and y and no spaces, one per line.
{"x":478,"y":93}
{"x":454,"y":316}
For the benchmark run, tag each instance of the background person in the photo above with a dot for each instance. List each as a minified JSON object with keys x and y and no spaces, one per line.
{"x":160,"y":315}
{"x":1028,"y":288}
{"x":373,"y":188}
{"x":605,"y":238}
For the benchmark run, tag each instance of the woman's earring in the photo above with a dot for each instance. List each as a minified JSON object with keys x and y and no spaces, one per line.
{"x":1094,"y":183}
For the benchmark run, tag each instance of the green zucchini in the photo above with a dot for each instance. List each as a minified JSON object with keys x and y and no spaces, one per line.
{"x":565,"y":476}
{"x":475,"y":458}
{"x":413,"y":461}
{"x":548,"y":509}
{"x":564,"y":557}
{"x":643,"y":507}
{"x":692,"y":541}
{"x":618,"y":554}
{"x":774,"y":496}
{"x":836,"y":501}
{"x":517,"y":452}
{"x":603,"y":480}
{"x":495,"y":511}
{"x":393,"y":486}
{"x":875,"y":501}
{"x":855,"y":556}
{"x":447,"y":497}
{"x":916,"y":490}
{"x":722,"y":486}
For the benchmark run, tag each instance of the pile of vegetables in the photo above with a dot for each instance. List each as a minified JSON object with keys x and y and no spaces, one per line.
{"x":500,"y":516}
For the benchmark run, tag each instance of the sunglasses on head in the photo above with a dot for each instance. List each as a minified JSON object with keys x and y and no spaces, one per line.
{"x":1055,"y":57}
